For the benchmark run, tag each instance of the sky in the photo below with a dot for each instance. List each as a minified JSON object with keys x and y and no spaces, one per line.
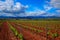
{"x":22,"y":8}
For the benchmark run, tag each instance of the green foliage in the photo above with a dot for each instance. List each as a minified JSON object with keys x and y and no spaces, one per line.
{"x":32,"y":28}
{"x":16,"y":32}
{"x":20,"y":36}
{"x":39,"y":31}
{"x":48,"y":33}
{"x":55,"y":35}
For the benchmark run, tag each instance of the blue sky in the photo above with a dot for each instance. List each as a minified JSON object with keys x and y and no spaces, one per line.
{"x":34,"y":3}
{"x":20,"y":8}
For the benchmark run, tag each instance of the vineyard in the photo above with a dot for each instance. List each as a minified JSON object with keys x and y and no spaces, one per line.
{"x":29,"y":30}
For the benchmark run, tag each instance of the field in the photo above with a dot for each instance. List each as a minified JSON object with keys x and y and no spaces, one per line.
{"x":29,"y":30}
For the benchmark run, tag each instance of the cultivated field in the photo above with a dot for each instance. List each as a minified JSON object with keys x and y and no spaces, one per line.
{"x":29,"y":30}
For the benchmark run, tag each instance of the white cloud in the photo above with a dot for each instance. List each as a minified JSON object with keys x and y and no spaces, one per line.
{"x":17,"y":7}
{"x":26,"y":6}
{"x":36,"y":12}
{"x":48,"y":14}
{"x":5,"y":14}
{"x":9,"y":6}
{"x":55,"y":3}
{"x":47,"y":8}
{"x":2,"y":6}
{"x":58,"y":11}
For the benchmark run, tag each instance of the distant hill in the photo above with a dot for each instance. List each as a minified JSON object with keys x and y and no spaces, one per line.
{"x":30,"y":17}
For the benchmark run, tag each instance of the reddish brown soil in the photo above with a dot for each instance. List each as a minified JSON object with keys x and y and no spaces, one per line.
{"x":27,"y":34}
{"x":6,"y":33}
{"x":49,"y":37}
{"x":41,"y":28}
{"x":38,"y":28}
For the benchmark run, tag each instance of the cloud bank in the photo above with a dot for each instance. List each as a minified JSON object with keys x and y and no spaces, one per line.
{"x":56,"y":4}
{"x":9,"y":8}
